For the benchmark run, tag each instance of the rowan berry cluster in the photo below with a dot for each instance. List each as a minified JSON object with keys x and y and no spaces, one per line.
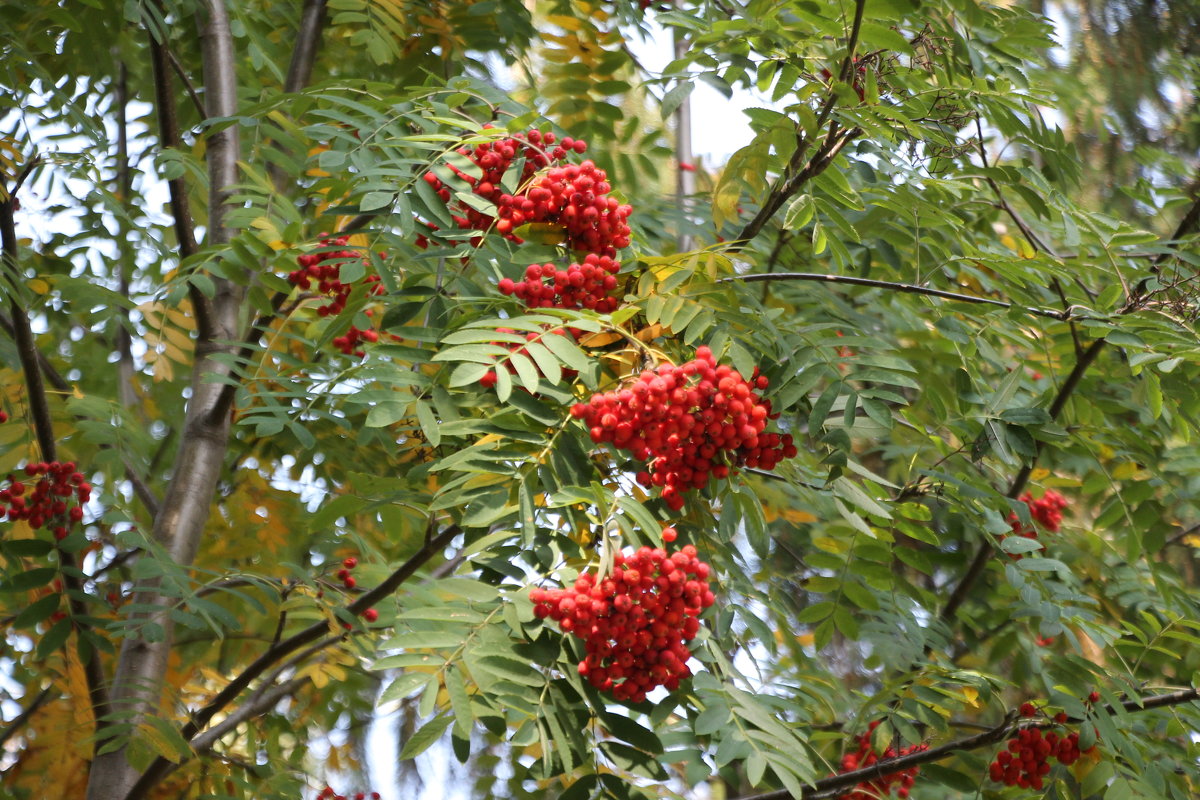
{"x":866,"y":756}
{"x":489,"y":378}
{"x":635,"y":622}
{"x":688,"y":422}
{"x":329,"y":794}
{"x":1025,"y":761}
{"x":48,"y":504}
{"x":323,"y":268}
{"x":1045,"y":511}
{"x":349,"y":582}
{"x":574,"y":197}
{"x":585,"y":285}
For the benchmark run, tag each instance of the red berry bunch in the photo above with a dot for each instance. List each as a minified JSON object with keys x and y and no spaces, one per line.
{"x":489,"y":378}
{"x":1025,"y":761}
{"x":583,"y":285}
{"x":882,"y":786}
{"x":572,"y":196}
{"x":329,"y":794}
{"x":688,"y":422}
{"x":323,"y":268}
{"x":349,"y":582}
{"x":635,"y":622}
{"x":48,"y":505}
{"x":1045,"y":511}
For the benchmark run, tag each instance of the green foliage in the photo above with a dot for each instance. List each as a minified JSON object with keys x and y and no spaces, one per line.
{"x":913,"y":247}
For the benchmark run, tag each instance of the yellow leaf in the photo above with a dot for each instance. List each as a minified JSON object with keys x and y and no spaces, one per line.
{"x":37,"y":286}
{"x":971,"y":696}
{"x":599,"y":339}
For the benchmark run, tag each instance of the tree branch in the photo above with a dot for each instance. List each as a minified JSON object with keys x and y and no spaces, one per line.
{"x":20,"y":720}
{"x":205,"y":741}
{"x":308,"y":40}
{"x":980,"y":562}
{"x":837,"y":784}
{"x":179,"y":525}
{"x":43,"y":425}
{"x":907,"y":288}
{"x":161,"y":767}
{"x":181,"y":213}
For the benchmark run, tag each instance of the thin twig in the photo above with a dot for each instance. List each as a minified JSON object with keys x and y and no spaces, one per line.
{"x":907,"y":288}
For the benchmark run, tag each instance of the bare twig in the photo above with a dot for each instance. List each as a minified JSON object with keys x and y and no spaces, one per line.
{"x":907,"y":288}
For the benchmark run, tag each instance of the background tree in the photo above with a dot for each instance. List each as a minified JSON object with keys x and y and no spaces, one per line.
{"x":290,"y":423}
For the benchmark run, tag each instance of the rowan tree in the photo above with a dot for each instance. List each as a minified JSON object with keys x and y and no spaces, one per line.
{"x":392,"y":371}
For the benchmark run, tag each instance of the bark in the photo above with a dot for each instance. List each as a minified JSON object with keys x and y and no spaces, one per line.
{"x":179,"y":525}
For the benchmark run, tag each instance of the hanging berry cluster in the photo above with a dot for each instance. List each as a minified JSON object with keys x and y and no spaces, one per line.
{"x":49,"y":504}
{"x":322,"y":268}
{"x":866,"y":756}
{"x":585,"y":285}
{"x":1045,"y":511}
{"x":349,"y":582}
{"x":635,"y":622}
{"x":688,"y":422}
{"x":1025,"y":761}
{"x":574,"y":197}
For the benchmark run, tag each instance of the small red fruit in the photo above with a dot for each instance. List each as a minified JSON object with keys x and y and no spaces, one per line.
{"x":370,"y":615}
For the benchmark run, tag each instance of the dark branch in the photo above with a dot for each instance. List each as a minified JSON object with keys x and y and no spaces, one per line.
{"x":837,"y":784}
{"x":22,"y":719}
{"x":907,"y":288}
{"x":308,"y":40}
{"x":161,"y":767}
{"x":39,"y":408}
{"x":979,"y":563}
{"x":181,"y":213}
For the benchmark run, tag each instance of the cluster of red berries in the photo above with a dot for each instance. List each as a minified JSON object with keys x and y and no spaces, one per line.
{"x":489,"y":378}
{"x":329,"y":794}
{"x":1025,"y":761}
{"x":323,"y":268}
{"x":349,"y":582}
{"x":1045,"y":511}
{"x":635,"y":622}
{"x":572,"y":196}
{"x":688,"y":422}
{"x":48,"y":504}
{"x":585,"y":285}
{"x":882,"y":786}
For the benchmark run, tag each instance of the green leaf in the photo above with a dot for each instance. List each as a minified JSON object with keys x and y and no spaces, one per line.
{"x":424,"y":738}
{"x":375,"y":200}
{"x":39,"y":610}
{"x":404,"y":686}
